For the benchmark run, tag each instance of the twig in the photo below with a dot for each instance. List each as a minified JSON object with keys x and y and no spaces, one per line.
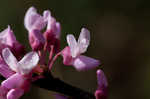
{"x":55,"y":84}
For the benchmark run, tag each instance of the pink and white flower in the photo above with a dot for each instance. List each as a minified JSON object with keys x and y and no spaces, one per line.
{"x":52,"y":33}
{"x":19,"y":82}
{"x":19,"y":74}
{"x":72,"y":53}
{"x":8,"y":39}
{"x":34,"y":23}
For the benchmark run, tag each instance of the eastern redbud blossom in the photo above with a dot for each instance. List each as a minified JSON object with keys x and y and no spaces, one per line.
{"x":52,"y":33}
{"x":101,"y":92}
{"x":8,"y":39}
{"x":34,"y":66}
{"x":19,"y":82}
{"x":72,"y":53}
{"x":34,"y":23}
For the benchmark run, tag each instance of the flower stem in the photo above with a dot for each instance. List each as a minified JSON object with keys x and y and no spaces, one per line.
{"x":53,"y":60}
{"x":55,"y":84}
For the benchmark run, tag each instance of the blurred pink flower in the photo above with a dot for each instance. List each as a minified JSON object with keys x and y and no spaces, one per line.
{"x":102,"y":90}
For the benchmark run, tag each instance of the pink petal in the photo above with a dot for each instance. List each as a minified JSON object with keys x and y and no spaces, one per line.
{"x":52,"y":25}
{"x":74,"y":48}
{"x":101,"y":79}
{"x":67,"y":58}
{"x":52,"y":34}
{"x":33,"y":21}
{"x":15,"y":94}
{"x":10,"y":59}
{"x":5,"y":71}
{"x":14,"y":81}
{"x":8,"y":39}
{"x":36,"y":40}
{"x":28,"y":62}
{"x":84,"y":40}
{"x":82,"y":63}
{"x":46,"y":15}
{"x":2,"y":46}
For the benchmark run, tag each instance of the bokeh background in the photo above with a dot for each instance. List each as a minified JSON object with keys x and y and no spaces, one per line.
{"x":120,"y":38}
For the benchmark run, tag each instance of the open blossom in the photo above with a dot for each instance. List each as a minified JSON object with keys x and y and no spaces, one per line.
{"x":19,"y":82}
{"x":34,"y":23}
{"x":8,"y":39}
{"x":20,"y":74}
{"x":52,"y":33}
{"x":72,"y":53}
{"x":101,"y":92}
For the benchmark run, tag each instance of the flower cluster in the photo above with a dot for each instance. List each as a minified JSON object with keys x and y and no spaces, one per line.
{"x":19,"y":74}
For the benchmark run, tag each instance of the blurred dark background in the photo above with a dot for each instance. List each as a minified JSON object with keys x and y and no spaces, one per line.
{"x":120,"y":38}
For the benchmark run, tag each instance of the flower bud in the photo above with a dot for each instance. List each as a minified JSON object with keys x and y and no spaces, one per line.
{"x":102,"y":90}
{"x":52,"y":33}
{"x":34,"y":23}
{"x":8,"y":39}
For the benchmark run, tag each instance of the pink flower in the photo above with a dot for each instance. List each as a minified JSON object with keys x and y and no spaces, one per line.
{"x":52,"y":26}
{"x":72,"y":53}
{"x":53,"y":30}
{"x":8,"y":39}
{"x":34,"y":23}
{"x":102,"y":90}
{"x":19,"y":82}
